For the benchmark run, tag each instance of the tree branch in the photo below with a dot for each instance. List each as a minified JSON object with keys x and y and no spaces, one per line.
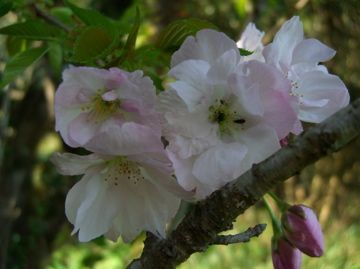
{"x":241,"y":237}
{"x":215,"y":214}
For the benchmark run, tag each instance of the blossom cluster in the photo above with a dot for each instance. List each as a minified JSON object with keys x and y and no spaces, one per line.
{"x":221,"y":113}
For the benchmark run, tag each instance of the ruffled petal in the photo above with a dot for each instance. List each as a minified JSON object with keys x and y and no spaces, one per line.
{"x":126,"y":139}
{"x":208,"y":45}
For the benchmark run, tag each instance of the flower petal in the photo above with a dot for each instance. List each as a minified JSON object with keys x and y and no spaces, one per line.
{"x":223,"y":67}
{"x":279,"y":52}
{"x":261,"y":142}
{"x":126,"y":139}
{"x":220,"y":164}
{"x":312,"y":51}
{"x":316,"y":87}
{"x":208,"y":45}
{"x":72,"y":164}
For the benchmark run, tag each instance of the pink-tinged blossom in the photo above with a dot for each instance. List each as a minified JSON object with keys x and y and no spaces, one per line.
{"x":284,"y":255}
{"x":90,"y":100}
{"x":251,"y":40}
{"x":120,"y":194}
{"x":319,"y":93}
{"x":303,"y":230}
{"x":222,"y":114}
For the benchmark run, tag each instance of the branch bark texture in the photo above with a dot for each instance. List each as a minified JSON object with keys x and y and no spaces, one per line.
{"x":200,"y":227}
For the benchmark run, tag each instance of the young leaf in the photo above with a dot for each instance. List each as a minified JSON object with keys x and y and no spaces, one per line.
{"x":131,"y":40}
{"x":93,"y":43}
{"x":244,"y":52}
{"x":36,"y":30}
{"x":176,"y":32}
{"x":89,"y":16}
{"x":17,"y":65}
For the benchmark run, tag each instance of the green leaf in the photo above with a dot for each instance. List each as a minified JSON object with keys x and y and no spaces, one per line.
{"x":5,"y":7}
{"x":93,"y":43}
{"x":176,"y":32}
{"x":89,"y":16}
{"x":55,"y":55}
{"x":64,"y":14}
{"x":34,"y":29}
{"x":131,"y":40}
{"x":244,"y":52}
{"x":17,"y":65}
{"x":15,"y":45}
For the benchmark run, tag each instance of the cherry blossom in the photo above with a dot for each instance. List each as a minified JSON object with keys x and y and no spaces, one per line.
{"x":122,"y":193}
{"x":222,"y":114}
{"x":91,"y":100}
{"x":319,"y":93}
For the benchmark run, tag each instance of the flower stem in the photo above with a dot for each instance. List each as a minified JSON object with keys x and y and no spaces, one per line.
{"x":279,"y":202}
{"x":274,"y":220}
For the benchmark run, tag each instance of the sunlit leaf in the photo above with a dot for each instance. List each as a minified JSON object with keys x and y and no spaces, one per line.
{"x":176,"y":32}
{"x":36,"y":30}
{"x":17,"y":65}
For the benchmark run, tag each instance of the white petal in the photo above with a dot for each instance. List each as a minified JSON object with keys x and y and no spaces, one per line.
{"x":208,"y":46}
{"x":63,"y":117}
{"x":129,"y":138}
{"x":250,"y":38}
{"x":98,"y":210}
{"x":193,"y":72}
{"x":261,"y":142}
{"x":72,"y":164}
{"x":144,"y":206}
{"x":220,"y":164}
{"x":312,"y":51}
{"x":248,"y":94}
{"x":183,"y":171}
{"x":316,"y":88}
{"x":279,"y":52}
{"x":223,"y":67}
{"x":192,"y":96}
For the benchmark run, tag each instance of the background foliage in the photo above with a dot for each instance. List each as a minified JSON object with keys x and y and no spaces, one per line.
{"x":34,"y":231}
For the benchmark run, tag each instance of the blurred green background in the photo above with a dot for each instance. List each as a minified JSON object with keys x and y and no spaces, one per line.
{"x":34,"y":232}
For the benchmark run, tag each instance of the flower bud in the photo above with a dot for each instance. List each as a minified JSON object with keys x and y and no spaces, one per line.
{"x":303,"y":230}
{"x":284,"y":255}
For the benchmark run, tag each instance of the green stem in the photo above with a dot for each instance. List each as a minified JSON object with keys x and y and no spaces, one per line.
{"x":279,"y":202}
{"x":274,"y":220}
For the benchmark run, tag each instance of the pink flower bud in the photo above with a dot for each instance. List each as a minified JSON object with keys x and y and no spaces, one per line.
{"x":303,"y":230}
{"x":284,"y":255}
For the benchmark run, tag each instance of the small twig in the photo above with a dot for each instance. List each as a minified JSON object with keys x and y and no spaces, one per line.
{"x":241,"y":237}
{"x":50,"y":18}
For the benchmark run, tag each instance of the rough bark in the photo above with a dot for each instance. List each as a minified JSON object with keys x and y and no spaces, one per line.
{"x":209,"y":217}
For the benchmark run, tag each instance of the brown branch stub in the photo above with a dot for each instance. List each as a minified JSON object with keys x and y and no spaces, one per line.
{"x":241,"y":237}
{"x":215,"y":214}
